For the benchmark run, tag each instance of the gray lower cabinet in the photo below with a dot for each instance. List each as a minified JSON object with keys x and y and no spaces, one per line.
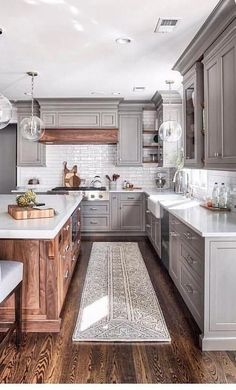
{"x":153,"y":231}
{"x":129,"y":148}
{"x":203,"y":270}
{"x":220,"y":101}
{"x":29,"y":154}
{"x":95,"y":216}
{"x":127,"y":212}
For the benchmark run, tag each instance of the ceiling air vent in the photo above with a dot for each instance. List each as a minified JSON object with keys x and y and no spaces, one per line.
{"x":165,"y":25}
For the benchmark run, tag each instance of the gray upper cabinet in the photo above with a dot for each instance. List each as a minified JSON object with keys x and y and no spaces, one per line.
{"x":220,"y":101}
{"x":29,"y":154}
{"x":193,"y":102}
{"x":79,"y":113}
{"x":129,"y":148}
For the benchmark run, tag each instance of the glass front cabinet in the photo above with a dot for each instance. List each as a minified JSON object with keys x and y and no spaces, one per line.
{"x":193,"y":105}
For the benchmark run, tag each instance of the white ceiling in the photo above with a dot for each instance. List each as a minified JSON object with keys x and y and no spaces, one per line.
{"x":71,"y":43}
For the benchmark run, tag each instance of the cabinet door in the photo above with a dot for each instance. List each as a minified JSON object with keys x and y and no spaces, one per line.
{"x":115,"y":211}
{"x":222,"y":286}
{"x":129,"y":148}
{"x":77,"y":119}
{"x":109,"y":119}
{"x":193,"y":101}
{"x":157,"y":239}
{"x":171,"y":150}
{"x":131,"y":216}
{"x":29,"y":154}
{"x":220,"y":102}
{"x":174,"y":257}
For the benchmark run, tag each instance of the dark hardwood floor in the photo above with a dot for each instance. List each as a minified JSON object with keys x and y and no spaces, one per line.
{"x":52,"y":358}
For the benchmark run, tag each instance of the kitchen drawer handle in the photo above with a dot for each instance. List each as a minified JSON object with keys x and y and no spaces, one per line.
{"x":148,"y":226}
{"x":189,"y":289}
{"x":148,"y":211}
{"x":66,"y":275}
{"x":189,"y":236}
{"x":173,"y":234}
{"x":93,"y":223}
{"x":67,"y":248}
{"x":93,"y":208}
{"x":67,"y":228}
{"x":130,"y":198}
{"x":78,"y":224}
{"x":189,"y":260}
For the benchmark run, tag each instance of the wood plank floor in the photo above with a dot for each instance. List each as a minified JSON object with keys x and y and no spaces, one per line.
{"x":51,"y":358}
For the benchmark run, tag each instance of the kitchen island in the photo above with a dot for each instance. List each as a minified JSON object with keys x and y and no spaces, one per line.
{"x":49,"y":249}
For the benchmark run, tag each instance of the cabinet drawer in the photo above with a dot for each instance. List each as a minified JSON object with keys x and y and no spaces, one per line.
{"x":192,"y":294}
{"x":188,"y":235}
{"x":134,"y":196}
{"x":192,"y":259}
{"x":95,"y":223}
{"x":95,"y":209}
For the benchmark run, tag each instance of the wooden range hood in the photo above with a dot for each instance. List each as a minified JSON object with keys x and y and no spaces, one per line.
{"x":62,"y":136}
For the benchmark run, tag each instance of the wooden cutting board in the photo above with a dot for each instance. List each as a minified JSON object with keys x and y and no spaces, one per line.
{"x":71,"y":179}
{"x":29,"y":212}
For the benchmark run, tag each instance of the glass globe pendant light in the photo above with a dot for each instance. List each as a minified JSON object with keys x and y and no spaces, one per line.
{"x":32,"y":128}
{"x":170,"y":130}
{"x":5,"y":111}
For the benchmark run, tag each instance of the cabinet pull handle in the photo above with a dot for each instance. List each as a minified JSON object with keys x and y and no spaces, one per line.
{"x":78,"y":224}
{"x":93,"y":223}
{"x":78,"y":242}
{"x":93,"y":208}
{"x":189,"y":236}
{"x":173,"y":234}
{"x":66,"y":228}
{"x":189,"y":289}
{"x":148,"y":226}
{"x":175,"y":222}
{"x":66,"y":275}
{"x":73,"y":258}
{"x":131,"y":198}
{"x":148,"y":211}
{"x":67,"y":248}
{"x":189,"y":260}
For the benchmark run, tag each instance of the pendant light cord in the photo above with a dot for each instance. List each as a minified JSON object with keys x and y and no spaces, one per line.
{"x":32,"y":96}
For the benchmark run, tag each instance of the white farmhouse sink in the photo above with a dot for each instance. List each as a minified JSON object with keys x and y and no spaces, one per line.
{"x":154,"y":202}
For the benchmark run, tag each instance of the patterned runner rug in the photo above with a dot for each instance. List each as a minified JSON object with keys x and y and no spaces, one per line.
{"x":118,"y":301}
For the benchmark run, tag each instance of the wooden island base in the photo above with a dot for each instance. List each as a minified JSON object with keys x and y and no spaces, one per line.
{"x":48,"y":269}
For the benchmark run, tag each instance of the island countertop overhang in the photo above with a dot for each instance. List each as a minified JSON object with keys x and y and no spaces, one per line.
{"x":40,"y":229}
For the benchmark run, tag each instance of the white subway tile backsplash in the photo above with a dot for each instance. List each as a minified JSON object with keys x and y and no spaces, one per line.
{"x":91,"y":160}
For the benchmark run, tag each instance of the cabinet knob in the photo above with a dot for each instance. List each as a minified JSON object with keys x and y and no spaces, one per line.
{"x":74,"y":258}
{"x":66,"y":275}
{"x":67,"y":248}
{"x":66,"y":228}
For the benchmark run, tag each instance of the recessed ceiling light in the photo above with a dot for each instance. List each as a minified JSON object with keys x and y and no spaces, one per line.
{"x":123,"y":41}
{"x":139,"y":89}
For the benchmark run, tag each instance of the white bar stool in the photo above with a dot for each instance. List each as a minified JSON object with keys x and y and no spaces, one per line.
{"x":11,"y":276}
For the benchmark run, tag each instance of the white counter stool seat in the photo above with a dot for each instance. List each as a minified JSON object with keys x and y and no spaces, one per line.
{"x":11,"y":276}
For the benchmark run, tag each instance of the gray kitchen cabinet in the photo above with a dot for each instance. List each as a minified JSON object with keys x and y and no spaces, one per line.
{"x":131,"y":215}
{"x":127,"y":214}
{"x":220,"y":101}
{"x":129,"y":148}
{"x":174,"y":256}
{"x":79,"y":113}
{"x":95,"y":216}
{"x":193,"y":103}
{"x":153,"y":231}
{"x":29,"y":154}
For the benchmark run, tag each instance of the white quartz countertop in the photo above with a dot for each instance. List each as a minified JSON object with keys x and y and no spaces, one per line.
{"x":45,"y":228}
{"x":204,"y":222}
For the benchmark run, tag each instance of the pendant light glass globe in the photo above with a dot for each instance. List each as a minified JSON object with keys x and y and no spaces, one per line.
{"x":32,"y":128}
{"x":170,"y":131}
{"x":5,"y":111}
